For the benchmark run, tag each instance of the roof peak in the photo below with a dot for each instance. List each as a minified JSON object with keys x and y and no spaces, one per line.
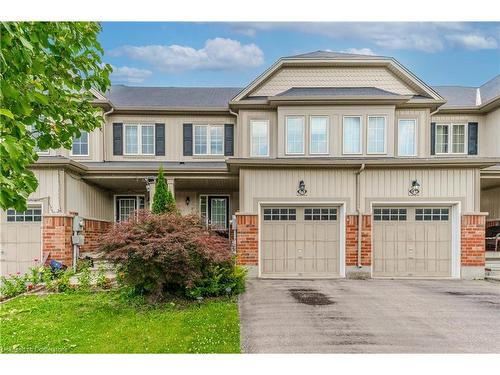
{"x":327,"y":54}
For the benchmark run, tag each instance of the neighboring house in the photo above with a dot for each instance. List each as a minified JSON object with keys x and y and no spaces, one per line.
{"x":314,"y":146}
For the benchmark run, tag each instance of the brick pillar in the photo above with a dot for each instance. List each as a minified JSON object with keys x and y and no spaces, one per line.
{"x":351,"y":240}
{"x":247,"y":240}
{"x":57,"y":231}
{"x":93,"y":231}
{"x":472,"y":240}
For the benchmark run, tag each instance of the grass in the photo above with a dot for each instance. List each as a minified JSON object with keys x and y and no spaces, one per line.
{"x":105,"y":323}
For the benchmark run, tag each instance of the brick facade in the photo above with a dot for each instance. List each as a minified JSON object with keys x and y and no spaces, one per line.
{"x":247,"y":240}
{"x":56,"y":237}
{"x":472,"y":240}
{"x":351,"y":240}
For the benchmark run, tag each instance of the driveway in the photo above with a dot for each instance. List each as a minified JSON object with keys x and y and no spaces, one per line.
{"x":370,"y":316}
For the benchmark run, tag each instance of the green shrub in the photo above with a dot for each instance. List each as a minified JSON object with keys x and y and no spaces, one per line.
{"x":13,"y":285}
{"x":84,"y":279}
{"x":61,"y":282}
{"x":218,"y":280}
{"x":102,"y":281}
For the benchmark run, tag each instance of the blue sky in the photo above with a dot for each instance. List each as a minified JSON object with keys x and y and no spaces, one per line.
{"x":233,"y":54}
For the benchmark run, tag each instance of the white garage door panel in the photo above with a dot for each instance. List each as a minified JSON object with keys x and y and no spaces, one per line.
{"x":412,"y":245}
{"x":20,"y":244}
{"x":295,"y":246}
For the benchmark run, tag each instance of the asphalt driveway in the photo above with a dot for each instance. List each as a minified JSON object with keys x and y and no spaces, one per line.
{"x":370,"y":316}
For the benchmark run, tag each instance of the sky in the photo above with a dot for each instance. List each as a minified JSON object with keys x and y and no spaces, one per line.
{"x":233,"y":54}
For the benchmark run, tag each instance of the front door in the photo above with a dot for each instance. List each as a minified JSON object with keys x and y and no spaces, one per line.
{"x":218,"y":212}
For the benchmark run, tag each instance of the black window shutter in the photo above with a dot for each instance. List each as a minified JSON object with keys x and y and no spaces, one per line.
{"x":160,"y":139}
{"x":117,"y":138}
{"x":473,"y":135}
{"x":229,"y":140}
{"x":187,"y":135}
{"x":433,"y":138}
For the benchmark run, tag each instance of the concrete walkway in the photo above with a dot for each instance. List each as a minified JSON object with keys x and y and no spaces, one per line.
{"x":370,"y":316}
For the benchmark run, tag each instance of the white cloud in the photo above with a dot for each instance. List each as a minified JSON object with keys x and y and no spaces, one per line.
{"x":422,"y":36}
{"x":217,"y":54}
{"x":360,"y":51}
{"x":126,"y":74}
{"x":474,"y":41}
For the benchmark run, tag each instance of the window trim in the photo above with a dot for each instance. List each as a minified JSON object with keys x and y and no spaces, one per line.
{"x":451,"y":131}
{"x":303,"y":135}
{"x":137,"y":196}
{"x":208,"y":126}
{"x":360,"y":135}
{"x":88,"y":145}
{"x":139,"y":139}
{"x":327,"y":152}
{"x":416,"y":137}
{"x":368,"y":135}
{"x":227,"y":197}
{"x":251,"y":138}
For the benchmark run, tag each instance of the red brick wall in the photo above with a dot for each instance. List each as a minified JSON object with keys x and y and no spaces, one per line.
{"x":56,"y":238}
{"x":472,"y":240}
{"x":93,"y":232}
{"x":351,"y":237}
{"x":247,"y":239}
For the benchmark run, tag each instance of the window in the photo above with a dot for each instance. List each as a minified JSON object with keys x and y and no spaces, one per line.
{"x":294,"y":135}
{"x":127,"y":204}
{"x":283,"y":214}
{"x":259,"y":138}
{"x":321,"y":214}
{"x":407,"y":136}
{"x":81,"y":144}
{"x":352,"y":135}
{"x":139,"y":139}
{"x":376,"y":135}
{"x":319,"y":135}
{"x":389,"y":214}
{"x":208,"y":140}
{"x":453,"y":132}
{"x":432,"y":214}
{"x":214,"y":211}
{"x":30,"y":215}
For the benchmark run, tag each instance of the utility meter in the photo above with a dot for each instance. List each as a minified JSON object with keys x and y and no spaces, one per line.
{"x":78,"y":223}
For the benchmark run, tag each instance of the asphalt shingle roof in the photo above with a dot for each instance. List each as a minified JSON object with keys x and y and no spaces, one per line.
{"x":466,"y":96}
{"x":171,"y":97}
{"x":490,"y":89}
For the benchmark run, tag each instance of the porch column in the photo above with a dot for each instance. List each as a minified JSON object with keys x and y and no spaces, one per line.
{"x":171,"y":185}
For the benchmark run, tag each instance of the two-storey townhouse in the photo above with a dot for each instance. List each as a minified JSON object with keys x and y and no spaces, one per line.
{"x":315,"y":146}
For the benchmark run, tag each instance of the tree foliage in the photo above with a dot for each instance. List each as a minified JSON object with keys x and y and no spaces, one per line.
{"x":163,"y":200}
{"x":47,"y":70}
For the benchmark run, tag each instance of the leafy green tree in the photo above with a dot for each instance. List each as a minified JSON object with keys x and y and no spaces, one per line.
{"x":47,"y":71}
{"x":163,"y":200}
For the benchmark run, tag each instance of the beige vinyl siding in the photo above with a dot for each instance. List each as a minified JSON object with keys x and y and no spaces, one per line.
{"x":50,"y":190}
{"x":276,"y":184}
{"x":89,"y":201}
{"x":95,"y":148}
{"x":490,"y":139}
{"x":490,"y":202}
{"x":287,"y":78}
{"x":194,"y":201}
{"x":243,"y":136}
{"x":173,"y":135}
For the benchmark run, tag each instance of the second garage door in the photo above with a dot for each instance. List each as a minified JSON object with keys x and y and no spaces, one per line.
{"x":300,"y":242}
{"x":412,"y":242}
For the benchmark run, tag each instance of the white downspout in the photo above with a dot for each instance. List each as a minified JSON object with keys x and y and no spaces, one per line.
{"x":358,"y":211}
{"x":103,"y":129}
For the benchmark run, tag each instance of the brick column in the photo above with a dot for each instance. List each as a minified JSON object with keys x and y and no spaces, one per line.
{"x":351,"y":240}
{"x":366,"y":241}
{"x":57,"y":231}
{"x":247,"y":240}
{"x":472,"y":240}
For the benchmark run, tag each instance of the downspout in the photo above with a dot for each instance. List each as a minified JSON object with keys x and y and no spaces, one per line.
{"x":358,"y":211}
{"x":233,"y":221}
{"x":104,"y":132}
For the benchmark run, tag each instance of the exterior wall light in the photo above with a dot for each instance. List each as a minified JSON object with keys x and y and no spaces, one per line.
{"x":414,"y":188}
{"x":302,"y":188}
{"x":188,"y":200}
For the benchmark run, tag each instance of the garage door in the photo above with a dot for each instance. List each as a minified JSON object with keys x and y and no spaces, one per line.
{"x":412,"y":242}
{"x":300,"y":242}
{"x":20,"y":240}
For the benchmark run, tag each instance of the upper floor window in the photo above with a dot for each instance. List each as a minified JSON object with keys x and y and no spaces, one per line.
{"x":209,"y":140}
{"x":139,"y":139}
{"x":259,"y":137}
{"x":295,"y":135}
{"x":376,"y":135}
{"x":407,"y":137}
{"x":81,"y":144}
{"x":352,"y":134}
{"x":319,"y":135}
{"x":450,"y":138}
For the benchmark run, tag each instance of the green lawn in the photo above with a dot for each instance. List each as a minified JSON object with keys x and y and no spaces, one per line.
{"x":104,"y":323}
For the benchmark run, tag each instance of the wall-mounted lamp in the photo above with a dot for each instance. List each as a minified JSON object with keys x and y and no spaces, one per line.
{"x":302,"y":188}
{"x":414,"y":188}
{"x":188,"y":200}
